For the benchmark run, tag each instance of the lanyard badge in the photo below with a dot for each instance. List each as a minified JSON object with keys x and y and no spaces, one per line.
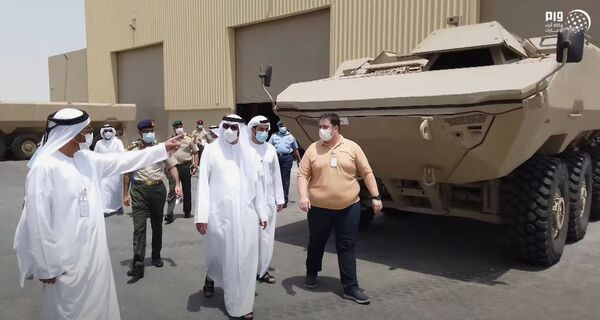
{"x":333,"y":161}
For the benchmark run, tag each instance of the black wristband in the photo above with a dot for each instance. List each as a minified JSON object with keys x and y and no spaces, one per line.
{"x":377,"y":197}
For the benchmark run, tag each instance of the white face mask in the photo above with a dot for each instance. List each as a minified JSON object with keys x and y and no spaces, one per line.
{"x":200,"y":127}
{"x":230,"y":135}
{"x":325,"y":134}
{"x":179,"y":131}
{"x":89,"y":138}
{"x":107,"y":135}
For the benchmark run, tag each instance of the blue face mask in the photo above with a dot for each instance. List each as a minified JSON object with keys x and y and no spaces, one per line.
{"x":283,"y":130}
{"x":148,"y":137}
{"x":261,"y":136}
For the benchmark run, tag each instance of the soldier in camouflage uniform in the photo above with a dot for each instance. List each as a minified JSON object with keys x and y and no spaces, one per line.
{"x":201,"y":136}
{"x":187,"y":164}
{"x":148,"y":195}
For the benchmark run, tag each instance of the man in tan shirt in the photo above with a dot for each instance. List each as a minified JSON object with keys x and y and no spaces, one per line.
{"x":328,"y":186}
{"x":187,"y":157}
{"x":148,"y":195}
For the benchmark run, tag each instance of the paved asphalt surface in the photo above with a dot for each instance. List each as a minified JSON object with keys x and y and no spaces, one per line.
{"x":412,"y":266}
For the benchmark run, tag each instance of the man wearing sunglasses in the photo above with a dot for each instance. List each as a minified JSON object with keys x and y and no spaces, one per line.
{"x":227,"y":213}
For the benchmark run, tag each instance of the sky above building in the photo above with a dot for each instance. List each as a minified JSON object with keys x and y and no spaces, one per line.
{"x":30,"y":32}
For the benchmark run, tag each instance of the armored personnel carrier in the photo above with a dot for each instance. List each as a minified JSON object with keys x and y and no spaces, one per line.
{"x":476,"y":123}
{"x":22,"y":124}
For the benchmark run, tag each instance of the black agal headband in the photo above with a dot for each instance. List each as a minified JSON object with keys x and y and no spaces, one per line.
{"x":231,"y":119}
{"x":52,"y":122}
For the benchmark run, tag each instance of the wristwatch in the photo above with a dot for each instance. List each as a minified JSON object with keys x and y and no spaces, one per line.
{"x":377,"y":197}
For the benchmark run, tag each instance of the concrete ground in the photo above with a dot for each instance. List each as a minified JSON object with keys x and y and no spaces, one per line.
{"x":413,"y":267}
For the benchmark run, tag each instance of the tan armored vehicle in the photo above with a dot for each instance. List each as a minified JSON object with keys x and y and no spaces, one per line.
{"x":475,"y":123}
{"x":22,"y":124}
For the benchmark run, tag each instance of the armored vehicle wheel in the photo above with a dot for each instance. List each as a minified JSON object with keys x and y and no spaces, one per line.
{"x":536,"y":197}
{"x":595,"y":194}
{"x":2,"y":147}
{"x":24,"y":146}
{"x":579,"y":165}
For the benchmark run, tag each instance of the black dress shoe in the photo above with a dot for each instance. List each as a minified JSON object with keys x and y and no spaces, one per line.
{"x":157,"y":263}
{"x":187,"y":215}
{"x":169,"y":219}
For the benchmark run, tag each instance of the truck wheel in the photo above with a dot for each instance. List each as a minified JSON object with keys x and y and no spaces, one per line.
{"x":535,"y":196}
{"x":595,"y":210}
{"x":579,"y":165}
{"x":24,"y":146}
{"x":2,"y":147}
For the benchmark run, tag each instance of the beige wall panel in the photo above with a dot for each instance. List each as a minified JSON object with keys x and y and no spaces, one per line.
{"x":529,"y":19}
{"x":67,"y":76}
{"x":198,"y":37}
{"x":297,"y":47}
{"x":140,"y":81}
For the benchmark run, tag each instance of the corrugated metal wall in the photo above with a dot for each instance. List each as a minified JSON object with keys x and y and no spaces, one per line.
{"x":198,"y":37}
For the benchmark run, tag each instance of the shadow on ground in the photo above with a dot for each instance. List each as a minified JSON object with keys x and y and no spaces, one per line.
{"x":197,"y":301}
{"x":325,"y":284}
{"x":148,"y":262}
{"x":454,"y":248}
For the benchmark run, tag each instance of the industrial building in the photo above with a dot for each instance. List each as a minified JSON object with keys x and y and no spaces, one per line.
{"x":191,"y":59}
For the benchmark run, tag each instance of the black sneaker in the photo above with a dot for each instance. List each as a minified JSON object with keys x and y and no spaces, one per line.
{"x":357,"y":295}
{"x":310,"y":282}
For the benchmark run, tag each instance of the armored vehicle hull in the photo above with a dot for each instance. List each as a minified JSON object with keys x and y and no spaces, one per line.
{"x":455,"y":129}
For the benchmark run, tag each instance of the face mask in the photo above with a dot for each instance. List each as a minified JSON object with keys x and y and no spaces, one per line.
{"x":89,"y":138}
{"x":200,"y":127}
{"x":231,"y":135}
{"x":283,"y":130}
{"x":107,"y":135}
{"x":325,"y":134}
{"x":261,"y":136}
{"x":148,"y":137}
{"x":179,"y":131}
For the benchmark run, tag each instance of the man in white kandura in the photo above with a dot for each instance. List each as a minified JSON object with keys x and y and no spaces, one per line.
{"x":229,"y":196}
{"x":111,"y":187}
{"x":273,"y":189}
{"x":61,"y":237}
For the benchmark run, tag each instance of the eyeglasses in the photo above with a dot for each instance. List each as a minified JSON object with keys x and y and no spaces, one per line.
{"x":233,"y":127}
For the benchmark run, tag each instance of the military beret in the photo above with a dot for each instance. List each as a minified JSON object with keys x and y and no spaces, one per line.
{"x":199,"y":122}
{"x":145,"y":124}
{"x":177,"y":123}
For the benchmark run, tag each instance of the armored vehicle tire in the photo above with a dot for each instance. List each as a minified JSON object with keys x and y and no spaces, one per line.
{"x":535,"y":196}
{"x":24,"y":146}
{"x":2,"y":147}
{"x":595,"y":210}
{"x":579,"y":165}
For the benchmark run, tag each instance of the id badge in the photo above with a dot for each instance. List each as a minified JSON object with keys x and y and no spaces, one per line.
{"x":333,"y":162}
{"x":84,"y":207}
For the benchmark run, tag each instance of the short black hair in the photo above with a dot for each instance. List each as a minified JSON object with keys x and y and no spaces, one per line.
{"x":332,"y":117}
